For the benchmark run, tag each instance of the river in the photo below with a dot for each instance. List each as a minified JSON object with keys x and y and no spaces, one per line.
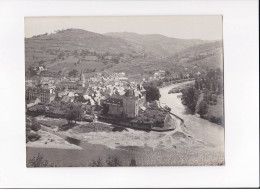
{"x":202,"y":129}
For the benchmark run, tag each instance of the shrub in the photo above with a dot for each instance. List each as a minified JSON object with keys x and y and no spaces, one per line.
{"x":96,"y":163}
{"x":113,"y":162}
{"x":27,"y":133}
{"x":39,"y":161}
{"x":73,"y":73}
{"x":35,"y":126}
{"x":133,"y":162}
{"x":32,"y":136}
{"x":217,"y":120}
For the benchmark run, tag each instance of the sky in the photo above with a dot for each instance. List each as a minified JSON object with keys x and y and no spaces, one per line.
{"x":184,"y":27}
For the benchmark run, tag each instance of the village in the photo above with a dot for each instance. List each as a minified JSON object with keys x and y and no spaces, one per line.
{"x":113,"y":99}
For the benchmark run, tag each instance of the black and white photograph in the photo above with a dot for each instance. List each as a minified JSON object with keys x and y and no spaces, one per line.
{"x":124,"y":91}
{"x":122,"y":94}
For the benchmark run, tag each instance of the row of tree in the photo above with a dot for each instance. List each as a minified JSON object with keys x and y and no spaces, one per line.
{"x":211,"y":81}
{"x":152,"y":92}
{"x":112,"y":161}
{"x":210,"y":85}
{"x":190,"y":98}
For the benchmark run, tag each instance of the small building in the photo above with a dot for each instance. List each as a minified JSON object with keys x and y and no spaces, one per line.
{"x":41,"y":68}
{"x":108,"y":57}
{"x":91,"y":58}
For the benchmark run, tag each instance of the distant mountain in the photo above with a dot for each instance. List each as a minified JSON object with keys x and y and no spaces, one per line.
{"x":188,"y":53}
{"x":157,"y":45}
{"x":207,"y":55}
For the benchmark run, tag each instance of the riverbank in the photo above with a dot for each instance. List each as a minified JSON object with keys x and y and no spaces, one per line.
{"x":114,"y":137}
{"x":176,"y":148}
{"x":201,"y":129}
{"x":177,"y":89}
{"x":49,"y":140}
{"x":215,"y":107}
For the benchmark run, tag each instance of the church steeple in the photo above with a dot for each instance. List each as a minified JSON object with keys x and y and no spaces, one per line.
{"x":82,"y":79}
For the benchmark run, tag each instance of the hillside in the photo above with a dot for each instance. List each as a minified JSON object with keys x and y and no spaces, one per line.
{"x":156,"y":44}
{"x":57,"y":51}
{"x":132,"y":53}
{"x":189,"y":53}
{"x":204,"y":56}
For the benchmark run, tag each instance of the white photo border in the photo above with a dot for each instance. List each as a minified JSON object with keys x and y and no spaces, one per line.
{"x":241,"y":64}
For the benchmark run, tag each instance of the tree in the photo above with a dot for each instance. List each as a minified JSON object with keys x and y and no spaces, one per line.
{"x":31,"y":72}
{"x":220,"y":88}
{"x":190,"y":98}
{"x":196,"y":84}
{"x":159,"y":83}
{"x":40,"y":62}
{"x":73,"y":73}
{"x":133,"y":162}
{"x":73,"y":115}
{"x":113,"y":162}
{"x":61,"y":55}
{"x":35,"y":126}
{"x":181,"y":75}
{"x":167,"y":73}
{"x":115,"y":60}
{"x":203,"y":109}
{"x":152,"y":93}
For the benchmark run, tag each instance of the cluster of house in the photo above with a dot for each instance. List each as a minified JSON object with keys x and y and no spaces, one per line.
{"x":114,"y":93}
{"x":158,"y":75}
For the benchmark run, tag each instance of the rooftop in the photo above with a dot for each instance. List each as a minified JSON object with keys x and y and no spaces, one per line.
{"x":38,"y":90}
{"x":115,"y":101}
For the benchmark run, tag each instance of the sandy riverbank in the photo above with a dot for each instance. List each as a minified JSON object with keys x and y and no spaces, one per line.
{"x":130,"y":137}
{"x":49,"y":140}
{"x":174,"y":148}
